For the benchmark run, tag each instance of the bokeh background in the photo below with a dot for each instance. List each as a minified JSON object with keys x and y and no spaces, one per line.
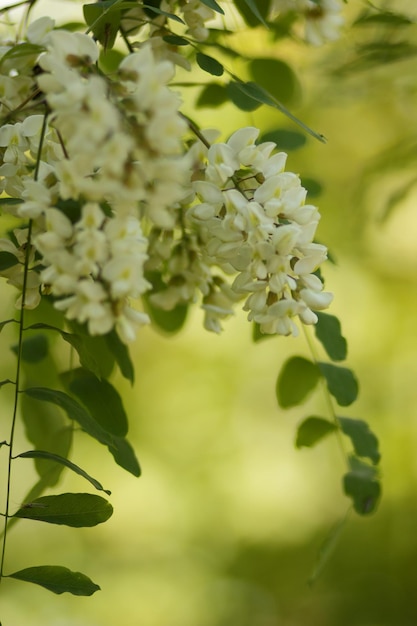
{"x":224,"y":526}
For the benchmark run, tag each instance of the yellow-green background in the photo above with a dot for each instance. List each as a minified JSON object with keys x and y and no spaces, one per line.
{"x":224,"y":526}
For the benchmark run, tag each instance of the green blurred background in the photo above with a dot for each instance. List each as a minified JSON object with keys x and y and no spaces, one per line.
{"x":224,"y":526}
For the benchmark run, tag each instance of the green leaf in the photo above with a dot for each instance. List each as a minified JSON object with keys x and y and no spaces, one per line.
{"x":213,"y":95}
{"x":241,"y":98}
{"x":209,"y":64}
{"x":361,"y":484}
{"x":329,"y":333}
{"x":327,"y":548}
{"x":277,"y":77}
{"x":103,"y":19}
{"x":94,"y":352}
{"x":257,"y":335}
{"x":298,"y":377}
{"x":121,"y":353}
{"x":21,"y":50}
{"x":42,"y":454}
{"x":7,"y":260}
{"x":363,"y":439}
{"x":176,"y":40}
{"x":118,"y":447}
{"x":100,"y":398}
{"x":109,"y":60}
{"x":48,"y":430}
{"x":10,"y":201}
{"x":34,"y":349}
{"x":285,"y":139}
{"x":212,"y":4}
{"x":156,"y":10}
{"x":259,"y":94}
{"x":312,"y":430}
{"x":168,"y":321}
{"x":314,"y":188}
{"x":57,"y":579}
{"x":253,"y":12}
{"x":341,"y":383}
{"x":79,"y":510}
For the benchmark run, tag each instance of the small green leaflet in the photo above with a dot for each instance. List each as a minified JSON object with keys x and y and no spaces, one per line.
{"x":252,"y":6}
{"x":361,"y":484}
{"x":121,"y":450}
{"x":21,"y":50}
{"x":329,"y":333}
{"x":101,"y":399}
{"x":312,"y":430}
{"x":7,"y":260}
{"x":176,"y":40}
{"x":259,"y":95}
{"x":341,"y":383}
{"x":298,"y":377}
{"x":209,"y":64}
{"x":79,"y":510}
{"x":363,"y":439}
{"x":285,"y":139}
{"x":158,"y":11}
{"x":57,"y":579}
{"x":34,"y":349}
{"x":212,"y":4}
{"x":42,"y":454}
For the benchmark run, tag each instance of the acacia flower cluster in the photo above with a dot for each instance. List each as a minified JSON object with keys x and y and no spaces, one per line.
{"x":249,"y":220}
{"x":323,"y":19}
{"x":120,"y":202}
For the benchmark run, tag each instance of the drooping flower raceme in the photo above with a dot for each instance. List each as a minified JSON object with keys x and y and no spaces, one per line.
{"x":120,"y":205}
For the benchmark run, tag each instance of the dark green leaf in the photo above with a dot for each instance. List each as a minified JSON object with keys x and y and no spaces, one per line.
{"x":212,"y":4}
{"x":70,"y":509}
{"x":361,"y":484}
{"x":341,"y":382}
{"x":257,"y":335}
{"x":124,"y":455}
{"x":253,"y":12}
{"x":100,"y":398}
{"x":118,"y":447}
{"x":259,"y":94}
{"x":240,"y":98}
{"x":363,"y":439}
{"x":57,"y":579}
{"x":329,"y":333}
{"x":171,"y":16}
{"x":276,"y":77}
{"x":34,"y":349}
{"x":42,"y":454}
{"x":167,"y":321}
{"x":314,"y":188}
{"x":103,"y":21}
{"x":48,"y":430}
{"x":285,"y":139}
{"x":213,"y":95}
{"x":94,"y":353}
{"x":176,"y":40}
{"x":256,"y":12}
{"x":110,"y":60}
{"x":121,"y":353}
{"x":7,"y":260}
{"x":208,"y":64}
{"x":312,"y":430}
{"x":298,"y":377}
{"x":9,"y":201}
{"x":327,"y":548}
